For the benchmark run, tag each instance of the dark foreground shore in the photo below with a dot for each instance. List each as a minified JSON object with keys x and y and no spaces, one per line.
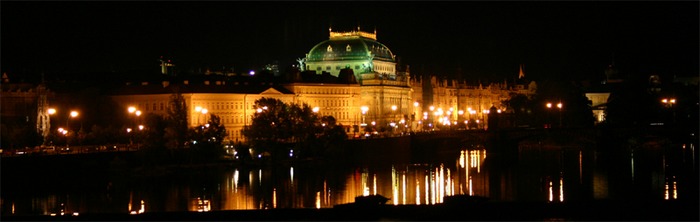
{"x":489,"y":211}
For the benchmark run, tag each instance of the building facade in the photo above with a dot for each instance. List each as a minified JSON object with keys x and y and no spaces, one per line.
{"x":350,"y":76}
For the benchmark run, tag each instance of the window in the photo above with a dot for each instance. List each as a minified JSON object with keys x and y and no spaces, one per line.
{"x":347,"y":48}
{"x":161,"y":106}
{"x":319,"y":68}
{"x":337,"y":67}
{"x":329,"y":49}
{"x":328,"y":67}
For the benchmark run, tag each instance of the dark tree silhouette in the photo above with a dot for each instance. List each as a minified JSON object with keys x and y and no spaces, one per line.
{"x":176,"y":131}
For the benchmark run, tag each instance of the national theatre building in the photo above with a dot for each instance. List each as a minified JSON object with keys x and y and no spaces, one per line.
{"x":350,"y":76}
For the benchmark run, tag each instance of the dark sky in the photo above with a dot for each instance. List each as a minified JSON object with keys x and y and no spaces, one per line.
{"x":484,"y":39}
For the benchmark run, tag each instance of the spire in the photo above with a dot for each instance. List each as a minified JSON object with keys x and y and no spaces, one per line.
{"x":521,"y":74}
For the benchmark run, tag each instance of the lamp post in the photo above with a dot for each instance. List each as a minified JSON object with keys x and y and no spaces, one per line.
{"x":549,"y":107}
{"x":393,"y":116}
{"x":560,"y":106}
{"x":364,"y":110}
{"x":413,"y":118}
{"x":50,"y":111}
{"x":73,"y":114}
{"x":669,"y":102}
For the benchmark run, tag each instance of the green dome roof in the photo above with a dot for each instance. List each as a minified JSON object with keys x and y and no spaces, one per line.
{"x":349,"y":48}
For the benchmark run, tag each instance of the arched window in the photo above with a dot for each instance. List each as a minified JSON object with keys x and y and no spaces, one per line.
{"x":347,"y":48}
{"x":329,"y":49}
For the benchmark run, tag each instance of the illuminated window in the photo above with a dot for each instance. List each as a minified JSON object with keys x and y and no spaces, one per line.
{"x":329,"y":49}
{"x":347,"y":48}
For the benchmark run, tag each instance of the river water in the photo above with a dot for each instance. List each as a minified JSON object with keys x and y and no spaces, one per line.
{"x":534,"y":173}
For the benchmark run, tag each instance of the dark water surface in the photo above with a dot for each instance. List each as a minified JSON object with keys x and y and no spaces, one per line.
{"x":537,"y":173}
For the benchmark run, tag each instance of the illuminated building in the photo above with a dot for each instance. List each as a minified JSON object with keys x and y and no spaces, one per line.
{"x":25,"y":103}
{"x":340,"y":75}
{"x":383,"y":84}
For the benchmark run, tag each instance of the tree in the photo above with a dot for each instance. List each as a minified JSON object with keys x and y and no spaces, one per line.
{"x":154,"y":150}
{"x":206,"y":140}
{"x":521,"y":107}
{"x":276,"y":123}
{"x":630,"y":104}
{"x":176,"y":131}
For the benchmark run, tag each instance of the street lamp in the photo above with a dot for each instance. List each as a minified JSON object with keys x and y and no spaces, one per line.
{"x":668,"y":102}
{"x":315,"y":109}
{"x":364,"y":110}
{"x":560,"y":106}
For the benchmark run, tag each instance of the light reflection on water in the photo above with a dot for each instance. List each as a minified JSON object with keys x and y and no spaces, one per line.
{"x":536,"y":174}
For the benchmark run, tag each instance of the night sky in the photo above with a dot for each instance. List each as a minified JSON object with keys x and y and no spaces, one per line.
{"x":570,"y":40}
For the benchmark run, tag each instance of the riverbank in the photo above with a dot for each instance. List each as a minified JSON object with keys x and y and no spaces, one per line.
{"x":491,"y":211}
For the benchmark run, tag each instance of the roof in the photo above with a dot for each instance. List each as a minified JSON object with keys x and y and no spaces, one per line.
{"x":349,"y":48}
{"x":223,"y":87}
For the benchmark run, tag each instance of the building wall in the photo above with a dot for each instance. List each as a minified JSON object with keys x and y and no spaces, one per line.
{"x":341,"y":101}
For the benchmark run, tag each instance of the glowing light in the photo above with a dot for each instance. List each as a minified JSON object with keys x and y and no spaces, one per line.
{"x":460,"y":112}
{"x":471,"y":191}
{"x":52,"y":111}
{"x":393,"y":107}
{"x":204,"y":111}
{"x":561,"y":188}
{"x":143,"y":207}
{"x":549,"y":105}
{"x":364,"y":109}
{"x":318,"y":200}
{"x":198,"y":109}
{"x":73,"y":114}
{"x":252,"y":73}
{"x":431,"y":108}
{"x":259,"y":110}
{"x":374,"y":185}
{"x":131,"y":109}
{"x":559,"y":105}
{"x":551,"y":194}
{"x":315,"y":109}
{"x":138,"y":112}
{"x":403,"y":182}
{"x":415,"y":104}
{"x":675,"y":193}
{"x":291,"y":174}
{"x":274,"y":198}
{"x":128,"y":130}
{"x":427,"y":190}
{"x":140,"y":127}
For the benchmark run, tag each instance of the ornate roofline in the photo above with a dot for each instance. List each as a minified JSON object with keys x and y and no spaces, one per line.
{"x":353,"y":33}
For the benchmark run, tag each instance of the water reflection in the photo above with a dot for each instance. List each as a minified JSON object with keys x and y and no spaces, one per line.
{"x":535,"y":173}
